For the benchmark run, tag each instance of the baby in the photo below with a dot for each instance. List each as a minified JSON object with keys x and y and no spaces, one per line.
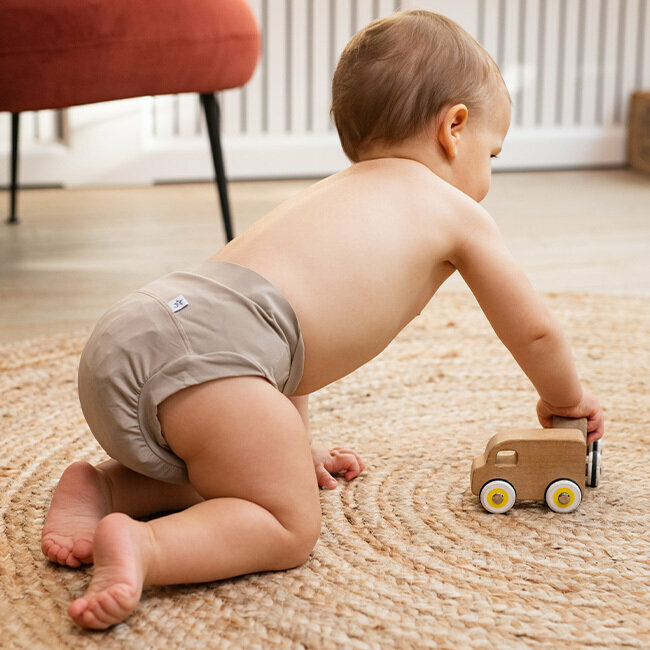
{"x":197,"y":385}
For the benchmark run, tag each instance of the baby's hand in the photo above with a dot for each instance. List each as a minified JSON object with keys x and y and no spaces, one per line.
{"x":335,"y":461}
{"x":587,"y":408}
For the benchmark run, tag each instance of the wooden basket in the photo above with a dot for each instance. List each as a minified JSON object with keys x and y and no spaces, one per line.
{"x":639,"y":131}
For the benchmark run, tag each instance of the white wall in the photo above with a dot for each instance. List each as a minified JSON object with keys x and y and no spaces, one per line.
{"x":570,"y":66}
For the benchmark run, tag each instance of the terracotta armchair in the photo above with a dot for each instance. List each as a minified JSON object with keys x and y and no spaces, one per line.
{"x":61,"y":53}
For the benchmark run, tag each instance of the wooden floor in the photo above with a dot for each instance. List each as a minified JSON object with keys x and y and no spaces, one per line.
{"x":75,"y":252}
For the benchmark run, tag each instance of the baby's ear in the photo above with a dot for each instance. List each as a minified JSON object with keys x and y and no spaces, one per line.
{"x":450,"y":129}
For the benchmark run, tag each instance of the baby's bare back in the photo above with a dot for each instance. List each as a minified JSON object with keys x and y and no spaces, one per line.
{"x":358,"y":256}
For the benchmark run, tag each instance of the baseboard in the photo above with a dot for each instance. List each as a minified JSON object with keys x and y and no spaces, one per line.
{"x":291,"y":156}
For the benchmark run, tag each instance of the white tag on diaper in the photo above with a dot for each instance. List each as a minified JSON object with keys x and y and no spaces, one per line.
{"x":178,"y":303}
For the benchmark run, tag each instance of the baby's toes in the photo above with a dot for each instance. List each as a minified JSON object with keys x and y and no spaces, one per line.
{"x":103,"y":609}
{"x":72,"y":561}
{"x":77,"y":609}
{"x":54,"y":551}
{"x":47,"y":546}
{"x":116,"y":603}
{"x":82,"y":550}
{"x":88,"y":614}
{"x":67,"y":552}
{"x":63,"y":555}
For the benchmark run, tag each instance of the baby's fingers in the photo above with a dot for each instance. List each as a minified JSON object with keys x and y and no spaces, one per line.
{"x":324,"y":478}
{"x":344,"y":463}
{"x":343,"y":451}
{"x":596,"y":427}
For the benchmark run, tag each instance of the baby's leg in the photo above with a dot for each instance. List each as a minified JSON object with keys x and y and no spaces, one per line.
{"x":85,"y":494}
{"x":248,"y":455}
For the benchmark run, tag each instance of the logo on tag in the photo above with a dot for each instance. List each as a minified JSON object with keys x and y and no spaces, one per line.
{"x":178,"y":303}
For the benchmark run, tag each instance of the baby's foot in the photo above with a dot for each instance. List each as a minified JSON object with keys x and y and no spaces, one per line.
{"x":80,"y":500}
{"x":116,"y":586}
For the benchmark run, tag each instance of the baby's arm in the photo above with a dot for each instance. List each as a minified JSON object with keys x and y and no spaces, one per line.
{"x":328,"y":461}
{"x":523,"y":322}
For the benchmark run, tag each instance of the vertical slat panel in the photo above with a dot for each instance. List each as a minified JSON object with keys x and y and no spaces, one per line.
{"x":479,"y":30}
{"x":176,"y":115}
{"x":27,"y":128}
{"x":599,"y":100}
{"x":252,"y":93}
{"x":520,"y":63}
{"x":36,"y":127}
{"x":264,"y":66}
{"x":148,"y":106}
{"x":230,"y":105}
{"x":490,"y":28}
{"x":590,"y":64}
{"x":5,"y":129}
{"x":309,"y":73}
{"x":540,"y":67}
{"x":509,"y":52}
{"x":561,"y":68}
{"x":631,"y":47}
{"x":578,"y":92}
{"x":529,"y":72}
{"x":386,"y":7}
{"x":289,"y":55}
{"x":47,"y":131}
{"x":321,"y":65}
{"x":198,"y":119}
{"x":277,"y":66}
{"x":188,"y":104}
{"x":643,"y":47}
{"x":609,"y":55}
{"x":565,"y":111}
{"x":464,"y":13}
{"x":501,"y":34}
{"x":365,"y":12}
{"x":332,"y":33}
{"x":341,"y":24}
{"x":624,"y":54}
{"x":163,"y":122}
{"x":545,"y":103}
{"x":605,"y":80}
{"x":299,"y":47}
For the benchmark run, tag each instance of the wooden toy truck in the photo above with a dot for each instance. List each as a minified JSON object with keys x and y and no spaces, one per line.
{"x":541,"y":464}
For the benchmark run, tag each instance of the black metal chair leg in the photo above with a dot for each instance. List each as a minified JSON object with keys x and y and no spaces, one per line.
{"x":13,"y":217}
{"x":212,"y":118}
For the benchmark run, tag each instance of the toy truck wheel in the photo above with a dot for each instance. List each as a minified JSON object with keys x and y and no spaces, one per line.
{"x":563,"y":495}
{"x":498,"y":496}
{"x":594,"y":464}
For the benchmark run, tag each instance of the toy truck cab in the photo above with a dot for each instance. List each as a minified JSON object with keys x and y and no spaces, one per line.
{"x":540,"y":464}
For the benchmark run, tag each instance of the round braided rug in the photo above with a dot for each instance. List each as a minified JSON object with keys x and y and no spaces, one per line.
{"x":407,"y":557}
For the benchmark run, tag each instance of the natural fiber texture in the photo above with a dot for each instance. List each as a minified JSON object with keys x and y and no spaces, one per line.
{"x":407,"y":557}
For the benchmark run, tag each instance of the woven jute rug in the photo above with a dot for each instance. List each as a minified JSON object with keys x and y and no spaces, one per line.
{"x":407,"y":557}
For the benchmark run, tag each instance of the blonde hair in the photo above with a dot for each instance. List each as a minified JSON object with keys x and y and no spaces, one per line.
{"x":399,"y":72}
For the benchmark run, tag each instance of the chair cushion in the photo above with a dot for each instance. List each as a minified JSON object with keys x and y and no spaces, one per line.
{"x":56,"y":53}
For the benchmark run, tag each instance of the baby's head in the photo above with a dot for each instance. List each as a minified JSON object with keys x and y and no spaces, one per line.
{"x":399,"y":73}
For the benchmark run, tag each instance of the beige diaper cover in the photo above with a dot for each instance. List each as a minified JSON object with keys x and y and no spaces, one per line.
{"x":222,"y":320}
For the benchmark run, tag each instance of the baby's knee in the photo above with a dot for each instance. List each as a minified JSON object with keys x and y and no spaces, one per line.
{"x":301,"y":539}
